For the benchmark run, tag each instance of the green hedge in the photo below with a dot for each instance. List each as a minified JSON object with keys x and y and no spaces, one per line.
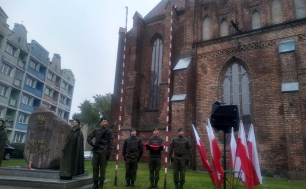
{"x":19,"y":148}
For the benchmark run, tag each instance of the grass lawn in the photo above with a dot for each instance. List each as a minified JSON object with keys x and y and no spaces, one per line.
{"x":193,"y":180}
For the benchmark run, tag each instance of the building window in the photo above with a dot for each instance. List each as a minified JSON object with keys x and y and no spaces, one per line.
{"x":48,"y":92}
{"x":60,"y":112}
{"x":156,"y":64}
{"x":223,"y":28}
{"x":23,"y":118}
{"x":26,"y":100}
{"x":5,"y":69}
{"x":236,"y":90}
{"x":300,"y":9}
{"x":3,"y":90}
{"x":256,"y":20}
{"x":30,"y":82}
{"x":63,"y":99}
{"x":1,"y":112}
{"x":34,"y":65}
{"x":18,"y":77}
{"x":19,"y":137}
{"x":277,"y":11}
{"x":10,"y":49}
{"x":39,"y":55}
{"x":65,"y":85}
{"x":50,"y":76}
{"x":206,"y":28}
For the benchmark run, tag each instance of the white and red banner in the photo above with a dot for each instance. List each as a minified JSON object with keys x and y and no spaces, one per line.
{"x":243,"y":156}
{"x":216,"y":155}
{"x":203,"y":155}
{"x":235,"y":162}
{"x":253,"y":156}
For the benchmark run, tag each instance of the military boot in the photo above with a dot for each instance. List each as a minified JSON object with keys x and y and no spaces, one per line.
{"x":156,"y":184}
{"x":152,"y":184}
{"x":95,"y":185}
{"x":101,"y":184}
{"x":127,"y":183}
{"x":132,"y":184}
{"x":176,"y":185}
{"x":181,"y":185}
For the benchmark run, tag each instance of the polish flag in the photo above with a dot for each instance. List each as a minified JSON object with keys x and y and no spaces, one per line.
{"x":242,"y":154}
{"x":233,"y":146}
{"x":257,"y":179}
{"x":203,"y":155}
{"x":216,"y":155}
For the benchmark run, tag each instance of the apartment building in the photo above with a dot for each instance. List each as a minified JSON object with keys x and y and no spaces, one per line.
{"x":28,"y":79}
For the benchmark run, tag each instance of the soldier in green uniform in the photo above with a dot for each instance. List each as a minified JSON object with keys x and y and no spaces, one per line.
{"x":181,"y":149}
{"x":3,"y":139}
{"x":132,"y":151}
{"x":101,"y":151}
{"x":155,"y":145}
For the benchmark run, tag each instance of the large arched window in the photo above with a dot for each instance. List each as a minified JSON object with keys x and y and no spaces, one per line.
{"x":206,"y":28}
{"x":300,"y":8}
{"x":256,"y":20}
{"x":156,"y":64}
{"x":277,"y":11}
{"x":223,"y":28}
{"x":236,"y":90}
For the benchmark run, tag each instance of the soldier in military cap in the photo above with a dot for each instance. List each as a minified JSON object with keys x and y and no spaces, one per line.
{"x":181,"y":149}
{"x":101,"y":151}
{"x":132,"y":151}
{"x":155,"y":144}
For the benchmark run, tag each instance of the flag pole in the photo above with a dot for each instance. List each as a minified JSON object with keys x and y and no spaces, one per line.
{"x":168,"y":98}
{"x":121,"y":99}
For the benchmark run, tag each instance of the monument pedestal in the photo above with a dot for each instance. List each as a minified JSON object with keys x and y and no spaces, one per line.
{"x":41,"y":178}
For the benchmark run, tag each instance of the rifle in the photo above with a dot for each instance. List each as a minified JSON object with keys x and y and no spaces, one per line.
{"x":100,"y":140}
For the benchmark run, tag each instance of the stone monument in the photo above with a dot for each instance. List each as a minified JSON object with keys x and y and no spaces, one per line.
{"x":46,"y":136}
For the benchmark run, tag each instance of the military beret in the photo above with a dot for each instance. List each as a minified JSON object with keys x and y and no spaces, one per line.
{"x":155,"y":128}
{"x":180,"y":129}
{"x":133,"y":129}
{"x":103,"y":118}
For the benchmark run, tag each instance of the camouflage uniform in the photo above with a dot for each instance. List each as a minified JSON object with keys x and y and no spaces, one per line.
{"x":182,"y":150}
{"x":132,"y":151}
{"x":155,"y":157}
{"x":102,"y":153}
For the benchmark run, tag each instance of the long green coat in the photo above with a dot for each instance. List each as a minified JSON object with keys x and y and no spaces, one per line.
{"x":72,"y":162}
{"x":3,"y":139}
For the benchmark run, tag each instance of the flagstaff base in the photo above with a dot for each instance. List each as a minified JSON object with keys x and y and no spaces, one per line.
{"x":165,"y":184}
{"x":115,"y":182}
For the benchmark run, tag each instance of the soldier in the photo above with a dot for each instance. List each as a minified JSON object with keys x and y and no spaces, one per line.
{"x":182,"y":150}
{"x":101,"y":151}
{"x":3,"y":139}
{"x":155,"y":145}
{"x":132,"y":151}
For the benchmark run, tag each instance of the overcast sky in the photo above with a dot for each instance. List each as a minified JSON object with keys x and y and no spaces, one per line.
{"x":83,"y":32}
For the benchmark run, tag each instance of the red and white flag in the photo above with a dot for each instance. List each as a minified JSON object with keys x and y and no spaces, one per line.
{"x":233,"y":146}
{"x":203,"y":155}
{"x":216,"y":155}
{"x":253,"y":155}
{"x":243,"y":155}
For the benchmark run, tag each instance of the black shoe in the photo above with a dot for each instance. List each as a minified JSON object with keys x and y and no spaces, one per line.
{"x":95,"y":185}
{"x":132,"y":184}
{"x":176,"y":185}
{"x":152,"y":184}
{"x":66,"y":178}
{"x":181,"y":185}
{"x":127,"y":183}
{"x":101,"y":184}
{"x":156,"y":184}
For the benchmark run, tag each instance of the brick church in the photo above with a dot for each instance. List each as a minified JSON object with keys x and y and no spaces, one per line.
{"x":249,"y":53}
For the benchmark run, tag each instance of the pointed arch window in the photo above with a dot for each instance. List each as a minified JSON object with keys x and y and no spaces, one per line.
{"x":277,"y":11}
{"x":223,"y":28}
{"x":206,"y":28}
{"x":236,"y":90}
{"x":300,"y":8}
{"x":156,"y":64}
{"x":256,"y":20}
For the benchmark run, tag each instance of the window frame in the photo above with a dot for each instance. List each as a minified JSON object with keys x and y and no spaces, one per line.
{"x":25,"y":118}
{"x":20,"y":138}
{"x":3,"y":90}
{"x":10,"y":49}
{"x":8,"y":69}
{"x":29,"y":100}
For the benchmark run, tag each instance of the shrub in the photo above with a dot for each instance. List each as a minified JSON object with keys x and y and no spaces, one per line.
{"x":19,"y":148}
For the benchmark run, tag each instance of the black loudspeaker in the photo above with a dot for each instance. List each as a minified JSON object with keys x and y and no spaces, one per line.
{"x":224,"y":117}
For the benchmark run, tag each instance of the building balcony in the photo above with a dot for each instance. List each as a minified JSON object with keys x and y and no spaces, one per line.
{"x":21,"y":63}
{"x":36,"y":73}
{"x":26,"y":107}
{"x":32,"y":90}
{"x":13,"y":102}
{"x":64,"y":106}
{"x":21,"y":126}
